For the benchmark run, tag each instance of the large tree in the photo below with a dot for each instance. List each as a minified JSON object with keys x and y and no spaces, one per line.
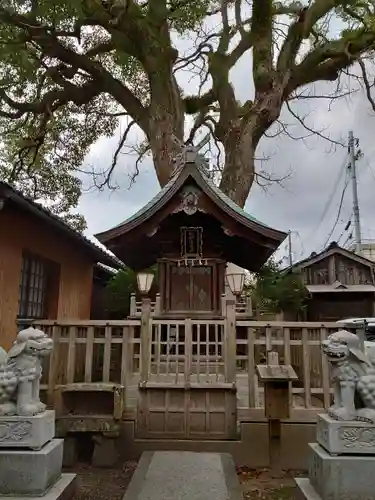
{"x":70,"y":69}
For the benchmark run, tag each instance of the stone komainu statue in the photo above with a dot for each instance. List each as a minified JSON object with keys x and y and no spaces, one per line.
{"x":353,"y":377}
{"x":20,"y":373}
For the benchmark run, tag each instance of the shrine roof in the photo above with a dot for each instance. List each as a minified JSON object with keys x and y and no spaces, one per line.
{"x":197,"y":172}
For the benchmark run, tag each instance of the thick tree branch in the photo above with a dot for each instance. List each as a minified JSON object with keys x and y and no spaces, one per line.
{"x":326,"y":62}
{"x":366,"y":83}
{"x":261,"y":33}
{"x":46,"y":39}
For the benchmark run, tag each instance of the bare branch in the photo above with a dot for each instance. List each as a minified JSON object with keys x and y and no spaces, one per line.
{"x":312,"y":131}
{"x":366,"y":83}
{"x":121,"y":143}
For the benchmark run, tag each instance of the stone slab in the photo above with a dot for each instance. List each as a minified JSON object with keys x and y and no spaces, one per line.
{"x":29,"y":472}
{"x":341,"y":477}
{"x":63,"y":489}
{"x":304,"y":490}
{"x":171,"y":475}
{"x":345,"y":438}
{"x":27,"y":432}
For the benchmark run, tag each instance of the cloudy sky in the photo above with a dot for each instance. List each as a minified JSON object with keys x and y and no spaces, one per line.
{"x":313,"y":165}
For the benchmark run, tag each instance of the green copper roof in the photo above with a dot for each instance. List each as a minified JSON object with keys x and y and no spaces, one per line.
{"x":228,"y":201}
{"x":219,"y":193}
{"x":151,"y":203}
{"x":197,"y":172}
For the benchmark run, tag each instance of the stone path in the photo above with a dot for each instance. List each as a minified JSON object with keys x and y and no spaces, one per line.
{"x":171,"y":475}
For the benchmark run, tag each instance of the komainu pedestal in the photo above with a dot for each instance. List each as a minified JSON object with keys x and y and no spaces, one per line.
{"x":345,"y":438}
{"x":342,"y":461}
{"x":30,"y":456}
{"x":27,"y":432}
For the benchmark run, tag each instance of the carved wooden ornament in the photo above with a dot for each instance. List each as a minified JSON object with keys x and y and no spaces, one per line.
{"x":190,"y":198}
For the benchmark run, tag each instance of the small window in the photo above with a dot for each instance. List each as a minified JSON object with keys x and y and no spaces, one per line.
{"x":35,"y":278}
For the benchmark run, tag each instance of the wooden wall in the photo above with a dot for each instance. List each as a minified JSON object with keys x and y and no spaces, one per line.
{"x":21,"y":231}
{"x":337,"y":268}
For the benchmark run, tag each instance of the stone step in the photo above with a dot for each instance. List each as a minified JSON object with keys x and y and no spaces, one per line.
{"x":171,"y":475}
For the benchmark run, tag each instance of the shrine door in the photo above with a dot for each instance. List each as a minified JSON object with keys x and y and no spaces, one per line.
{"x":191,"y":288}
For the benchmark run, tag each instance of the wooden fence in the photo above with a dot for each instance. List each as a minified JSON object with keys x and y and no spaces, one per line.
{"x":243,"y":306}
{"x":188,"y":352}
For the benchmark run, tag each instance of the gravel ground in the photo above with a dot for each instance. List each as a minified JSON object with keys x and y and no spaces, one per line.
{"x":110,"y":484}
{"x":102,"y":484}
{"x":262,"y":484}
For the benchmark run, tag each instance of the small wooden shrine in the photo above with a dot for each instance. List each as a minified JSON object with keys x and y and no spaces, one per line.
{"x":191,"y":229}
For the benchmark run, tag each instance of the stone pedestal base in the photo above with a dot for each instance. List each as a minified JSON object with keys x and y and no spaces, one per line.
{"x":29,"y":472}
{"x":63,"y":489}
{"x":27,"y":432}
{"x":345,"y":438}
{"x":338,"y":477}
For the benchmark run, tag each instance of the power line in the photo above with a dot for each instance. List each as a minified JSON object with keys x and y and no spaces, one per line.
{"x":331,"y":196}
{"x":348,"y":224}
{"x":350,"y":237}
{"x":338,"y":213}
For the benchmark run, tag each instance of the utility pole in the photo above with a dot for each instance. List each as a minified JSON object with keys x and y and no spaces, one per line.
{"x":290,"y":248}
{"x":353,"y":175}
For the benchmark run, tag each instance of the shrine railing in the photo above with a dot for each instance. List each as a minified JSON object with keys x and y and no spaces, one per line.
{"x":243,"y":306}
{"x":189,"y":352}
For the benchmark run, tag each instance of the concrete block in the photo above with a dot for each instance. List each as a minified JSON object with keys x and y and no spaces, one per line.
{"x":64,"y":489}
{"x":70,"y":451}
{"x":305,"y":491}
{"x":168,"y":475}
{"x":105,"y":452}
{"x":341,"y":477}
{"x":349,"y":438}
{"x":27,"y":432}
{"x":30,"y":472}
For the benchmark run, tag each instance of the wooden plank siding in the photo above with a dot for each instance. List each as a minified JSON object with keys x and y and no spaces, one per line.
{"x":20,"y":231}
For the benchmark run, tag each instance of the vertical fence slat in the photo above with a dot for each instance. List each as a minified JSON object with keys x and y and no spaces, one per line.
{"x":89,"y":353}
{"x":230,"y":342}
{"x":216,"y":352}
{"x":306,"y":367}
{"x":168,"y":358}
{"x":125,"y":358}
{"x":208,"y":358}
{"x":188,"y":350}
{"x":158,"y":350}
{"x":288,"y":360}
{"x":251,"y":375}
{"x":177,"y":357}
{"x":198,"y":363}
{"x":268,"y":340}
{"x":325,"y":372}
{"x":70,"y":370}
{"x":107,"y":354}
{"x":145,"y":340}
{"x":53,"y":363}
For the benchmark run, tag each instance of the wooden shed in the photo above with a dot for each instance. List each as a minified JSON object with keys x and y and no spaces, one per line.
{"x":341,"y":284}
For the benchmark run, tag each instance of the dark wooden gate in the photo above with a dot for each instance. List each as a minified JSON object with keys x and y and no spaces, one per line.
{"x":187,"y":394}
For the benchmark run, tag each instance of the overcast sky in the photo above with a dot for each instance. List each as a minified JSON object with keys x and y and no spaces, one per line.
{"x":313,"y":165}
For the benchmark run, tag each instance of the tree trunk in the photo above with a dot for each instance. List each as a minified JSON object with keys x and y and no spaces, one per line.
{"x":240,"y":144}
{"x":239,"y":169}
{"x":166,"y":120}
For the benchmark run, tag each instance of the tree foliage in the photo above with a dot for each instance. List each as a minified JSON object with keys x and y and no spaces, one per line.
{"x":278,"y":291}
{"x":70,"y":70}
{"x":120,"y":288}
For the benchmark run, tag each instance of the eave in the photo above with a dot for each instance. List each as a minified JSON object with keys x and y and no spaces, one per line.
{"x":273,"y":236}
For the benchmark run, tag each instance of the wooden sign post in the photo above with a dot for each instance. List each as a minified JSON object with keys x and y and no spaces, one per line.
{"x":276,"y":379}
